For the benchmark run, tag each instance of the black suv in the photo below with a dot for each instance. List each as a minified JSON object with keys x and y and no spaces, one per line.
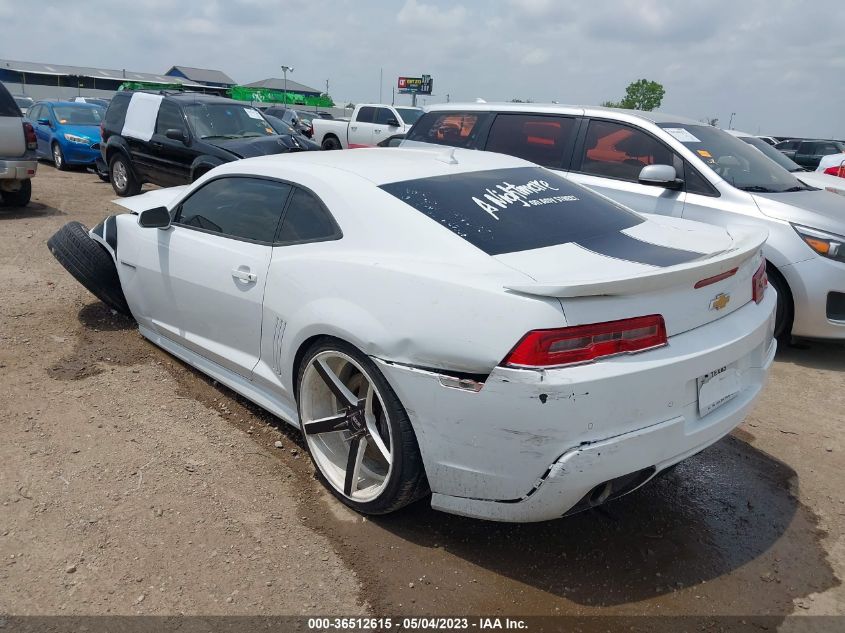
{"x":809,"y":153}
{"x":173,"y":138}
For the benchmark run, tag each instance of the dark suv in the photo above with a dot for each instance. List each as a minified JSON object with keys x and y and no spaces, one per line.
{"x":808,"y":153}
{"x":169,"y":138}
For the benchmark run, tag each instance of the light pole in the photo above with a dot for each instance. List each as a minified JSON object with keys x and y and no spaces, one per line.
{"x":730,"y":122}
{"x":285,"y":71}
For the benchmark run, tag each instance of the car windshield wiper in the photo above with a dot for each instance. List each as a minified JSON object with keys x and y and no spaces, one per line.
{"x":791,"y":189}
{"x":757,"y":189}
{"x":228,"y":136}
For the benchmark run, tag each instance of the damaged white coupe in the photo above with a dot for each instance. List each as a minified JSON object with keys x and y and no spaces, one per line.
{"x":448,"y":324}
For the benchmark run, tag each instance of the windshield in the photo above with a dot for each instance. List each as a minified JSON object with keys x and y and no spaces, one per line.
{"x":742,"y":166}
{"x":23,"y":102}
{"x":79,"y":114}
{"x":409,"y":115}
{"x":770,"y":152}
{"x":226,"y":120}
{"x":279,"y":126}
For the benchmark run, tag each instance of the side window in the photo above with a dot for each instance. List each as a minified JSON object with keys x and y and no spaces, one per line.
{"x":539,"y":139}
{"x":118,"y":106}
{"x":246,"y":208}
{"x":695,"y":182}
{"x":827,"y":148}
{"x":806,"y":148}
{"x":169,"y":118}
{"x":366,"y":115}
{"x":458,"y":129}
{"x":617,"y":151}
{"x":33,"y":114}
{"x":383,"y":115}
{"x":306,"y":220}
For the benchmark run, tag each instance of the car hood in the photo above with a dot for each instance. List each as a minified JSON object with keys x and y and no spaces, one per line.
{"x":834,"y":184}
{"x":258,"y":146}
{"x":88,"y":131}
{"x":821,"y":210}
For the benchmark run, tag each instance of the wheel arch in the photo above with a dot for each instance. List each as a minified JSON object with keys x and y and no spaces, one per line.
{"x":773,"y":273}
{"x":202,"y":165}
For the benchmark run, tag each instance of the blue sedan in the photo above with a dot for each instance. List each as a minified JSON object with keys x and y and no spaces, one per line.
{"x":67,"y":132}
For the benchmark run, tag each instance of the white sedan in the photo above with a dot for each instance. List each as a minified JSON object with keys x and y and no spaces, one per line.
{"x":450,"y":322}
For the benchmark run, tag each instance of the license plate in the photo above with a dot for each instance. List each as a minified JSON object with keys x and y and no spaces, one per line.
{"x":717,"y":388}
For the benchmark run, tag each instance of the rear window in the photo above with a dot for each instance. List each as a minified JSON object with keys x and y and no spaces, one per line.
{"x":510,"y":210}
{"x":117,"y":108}
{"x":8,"y":107}
{"x":457,"y":129}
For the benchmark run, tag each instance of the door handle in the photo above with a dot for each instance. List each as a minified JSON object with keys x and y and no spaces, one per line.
{"x":244,"y":275}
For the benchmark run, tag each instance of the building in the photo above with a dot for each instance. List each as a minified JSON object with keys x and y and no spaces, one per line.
{"x":58,"y":81}
{"x":202,"y":76}
{"x":274,"y":83}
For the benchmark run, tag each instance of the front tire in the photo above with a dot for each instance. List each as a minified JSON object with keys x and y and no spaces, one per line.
{"x":357,"y":431}
{"x":19,"y":198}
{"x":58,"y":157}
{"x":122,"y":177}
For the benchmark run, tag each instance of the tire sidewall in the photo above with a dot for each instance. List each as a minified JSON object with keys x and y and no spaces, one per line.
{"x":396,"y":412}
{"x":56,"y":151}
{"x":783,"y":311}
{"x":130,"y":178}
{"x":330,"y":144}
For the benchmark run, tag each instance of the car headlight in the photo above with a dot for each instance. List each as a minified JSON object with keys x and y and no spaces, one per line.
{"x":827,"y":245}
{"x":73,"y":138}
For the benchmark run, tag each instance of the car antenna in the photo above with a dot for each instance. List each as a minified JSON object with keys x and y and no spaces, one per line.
{"x":448,"y":157}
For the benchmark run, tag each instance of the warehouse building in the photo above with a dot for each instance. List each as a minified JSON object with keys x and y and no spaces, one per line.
{"x":274,"y":83}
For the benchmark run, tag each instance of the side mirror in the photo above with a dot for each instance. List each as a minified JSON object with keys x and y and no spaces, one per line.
{"x":392,"y":122}
{"x":660,"y":176}
{"x":177,"y":135}
{"x":157,"y":218}
{"x":44,"y":122}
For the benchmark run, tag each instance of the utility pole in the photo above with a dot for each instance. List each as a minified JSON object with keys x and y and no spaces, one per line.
{"x":447,"y":97}
{"x":286,"y":70}
{"x":730,"y":122}
{"x":380,"y":82}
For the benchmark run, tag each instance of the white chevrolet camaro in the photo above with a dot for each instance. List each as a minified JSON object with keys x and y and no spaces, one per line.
{"x":451,"y":322}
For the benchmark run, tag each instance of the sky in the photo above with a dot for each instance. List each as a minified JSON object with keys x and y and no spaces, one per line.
{"x":778,"y":65}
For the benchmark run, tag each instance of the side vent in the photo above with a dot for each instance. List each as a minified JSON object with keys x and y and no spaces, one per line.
{"x":278,"y":335}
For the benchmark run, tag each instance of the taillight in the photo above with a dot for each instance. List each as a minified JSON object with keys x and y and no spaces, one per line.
{"x":586,"y":343}
{"x":836,"y":170}
{"x":29,"y":135}
{"x":759,"y":282}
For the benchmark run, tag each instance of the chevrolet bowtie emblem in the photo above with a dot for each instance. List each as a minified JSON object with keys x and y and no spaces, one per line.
{"x":720,"y":301}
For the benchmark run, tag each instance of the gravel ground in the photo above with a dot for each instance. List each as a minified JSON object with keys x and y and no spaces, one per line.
{"x":131,"y":483}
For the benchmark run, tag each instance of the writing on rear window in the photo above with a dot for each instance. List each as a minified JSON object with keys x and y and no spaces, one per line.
{"x":510,"y":210}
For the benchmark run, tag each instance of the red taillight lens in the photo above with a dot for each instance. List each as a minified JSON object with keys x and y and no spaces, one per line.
{"x":836,"y":170}
{"x":102,"y":128}
{"x":585,"y":343}
{"x":759,"y":282}
{"x":29,"y":135}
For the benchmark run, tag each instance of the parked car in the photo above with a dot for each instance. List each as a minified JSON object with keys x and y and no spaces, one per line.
{"x":668,"y":165}
{"x":24,"y":103}
{"x":769,"y":140}
{"x":832,"y":165}
{"x":570,"y":359}
{"x":292,"y":117}
{"x":17,"y":153}
{"x":68,"y":133}
{"x":788,"y":147}
{"x":812,"y":178}
{"x":280,"y":127}
{"x":369,"y":125}
{"x":808,"y":153}
{"x":173,"y":138}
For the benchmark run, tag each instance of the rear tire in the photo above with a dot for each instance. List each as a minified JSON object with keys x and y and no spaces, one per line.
{"x":361,"y":443}
{"x":331,"y":143}
{"x":89,"y":263}
{"x":19,"y":198}
{"x":122,"y":178}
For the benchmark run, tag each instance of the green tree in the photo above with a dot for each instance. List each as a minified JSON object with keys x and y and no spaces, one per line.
{"x":610,"y":104}
{"x":643,"y":95}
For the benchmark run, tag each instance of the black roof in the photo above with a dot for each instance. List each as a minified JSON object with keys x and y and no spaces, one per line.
{"x":190,"y":97}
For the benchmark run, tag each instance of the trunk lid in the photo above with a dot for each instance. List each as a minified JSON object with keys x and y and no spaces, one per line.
{"x":651,"y":268}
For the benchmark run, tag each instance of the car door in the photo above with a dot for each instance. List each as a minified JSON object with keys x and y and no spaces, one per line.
{"x":361,"y":129}
{"x":609,"y":157}
{"x":204,"y":277}
{"x":170,"y":158}
{"x":544,"y":139}
{"x":43,"y":131}
{"x":385,"y":124}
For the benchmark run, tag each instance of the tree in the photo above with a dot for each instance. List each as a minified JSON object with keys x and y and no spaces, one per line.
{"x":610,"y":104}
{"x":643,"y":95}
{"x":712,"y":122}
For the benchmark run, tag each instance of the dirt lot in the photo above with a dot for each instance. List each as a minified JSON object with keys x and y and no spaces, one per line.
{"x":132,"y":484}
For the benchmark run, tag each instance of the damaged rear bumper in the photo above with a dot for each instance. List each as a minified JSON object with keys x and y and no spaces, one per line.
{"x":534,"y":445}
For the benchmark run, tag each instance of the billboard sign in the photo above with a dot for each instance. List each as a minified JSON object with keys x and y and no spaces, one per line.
{"x":415,"y":85}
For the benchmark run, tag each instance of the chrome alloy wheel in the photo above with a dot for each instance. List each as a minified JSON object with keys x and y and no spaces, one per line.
{"x":346,"y":425}
{"x":119,"y":175}
{"x":58,"y":159}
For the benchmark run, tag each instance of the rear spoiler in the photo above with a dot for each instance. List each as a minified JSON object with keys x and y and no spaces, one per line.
{"x":747,"y":241}
{"x":152,"y":199}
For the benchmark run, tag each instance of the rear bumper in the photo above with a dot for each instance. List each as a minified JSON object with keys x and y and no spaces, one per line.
{"x":530,"y":445}
{"x":18,"y":169}
{"x":810,"y":282}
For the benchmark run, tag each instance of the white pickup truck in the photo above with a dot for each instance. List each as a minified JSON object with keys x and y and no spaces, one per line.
{"x":371,"y":123}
